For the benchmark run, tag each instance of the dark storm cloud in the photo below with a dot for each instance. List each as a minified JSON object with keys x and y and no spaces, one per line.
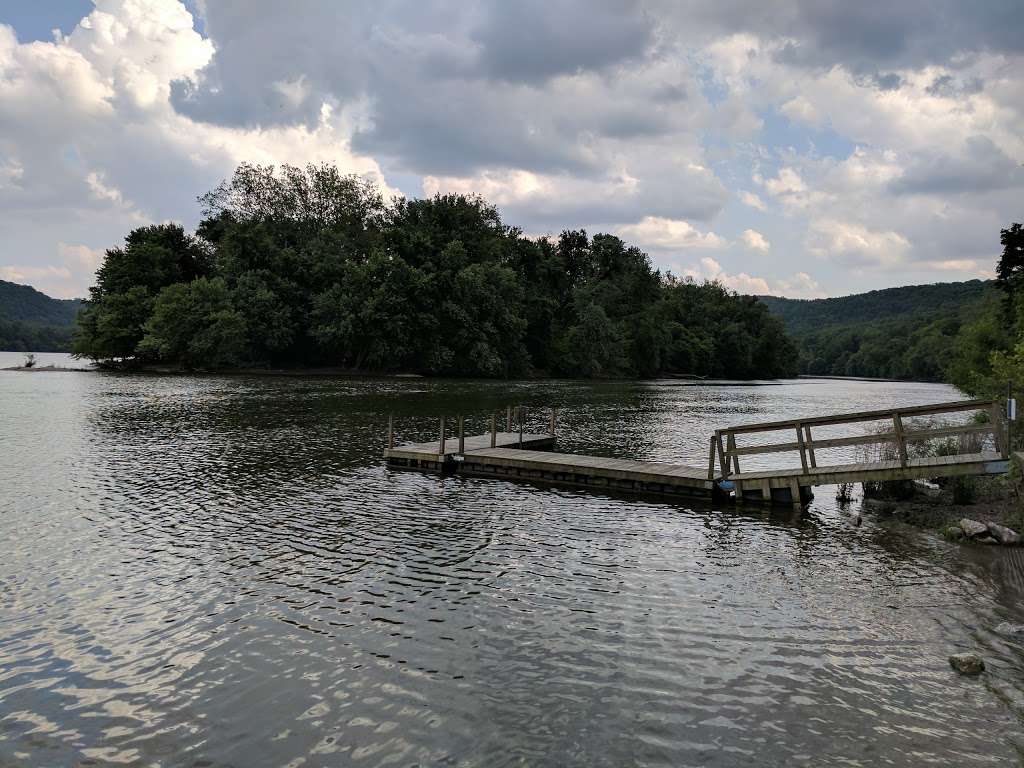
{"x":866,"y":36}
{"x":532,"y":40}
{"x":979,"y":166}
{"x":453,"y":87}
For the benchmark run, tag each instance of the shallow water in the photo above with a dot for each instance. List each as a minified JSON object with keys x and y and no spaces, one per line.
{"x":220,"y":571}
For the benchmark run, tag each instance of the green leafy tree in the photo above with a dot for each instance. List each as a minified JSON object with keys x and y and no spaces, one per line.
{"x":195,"y":325}
{"x":111,"y":324}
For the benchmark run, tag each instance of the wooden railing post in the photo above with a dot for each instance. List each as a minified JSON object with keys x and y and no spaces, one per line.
{"x":522,"y":420}
{"x":441,"y":441}
{"x":809,"y":442}
{"x":995,"y":418}
{"x":901,"y":442}
{"x":802,"y":447}
{"x":462,"y":437}
{"x":711,"y":460}
{"x":730,"y":443}
{"x":723,"y":460}
{"x":494,"y":430}
{"x":554,"y":415}
{"x":1009,"y":418}
{"x":391,"y":430}
{"x":508,"y":419}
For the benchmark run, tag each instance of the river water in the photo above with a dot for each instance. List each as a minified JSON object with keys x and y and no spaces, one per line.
{"x":219,"y":571}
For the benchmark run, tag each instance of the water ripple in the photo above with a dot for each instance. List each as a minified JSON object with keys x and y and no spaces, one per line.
{"x":212,"y":571}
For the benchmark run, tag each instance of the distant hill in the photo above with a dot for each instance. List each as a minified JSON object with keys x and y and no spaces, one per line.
{"x":31,"y":321}
{"x":900,"y":333}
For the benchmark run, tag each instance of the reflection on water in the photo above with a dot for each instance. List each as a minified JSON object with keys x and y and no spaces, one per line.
{"x":220,"y":571}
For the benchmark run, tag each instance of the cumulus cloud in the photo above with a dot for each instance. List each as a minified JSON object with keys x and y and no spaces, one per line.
{"x":659,"y":233}
{"x":755,"y":241}
{"x":878,"y":141}
{"x":856,"y":245}
{"x":800,"y":285}
{"x":749,"y":198}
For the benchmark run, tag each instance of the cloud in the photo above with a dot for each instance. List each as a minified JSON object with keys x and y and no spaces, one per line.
{"x":749,"y":198}
{"x":659,"y":233}
{"x":71,"y":267}
{"x":801,"y":285}
{"x":799,"y":108}
{"x":91,"y":146}
{"x":755,"y":241}
{"x":855,"y":245}
{"x":879,"y":140}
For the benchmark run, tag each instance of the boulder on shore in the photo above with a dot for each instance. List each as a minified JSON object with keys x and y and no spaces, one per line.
{"x":967,"y":663}
{"x":1005,"y":536}
{"x":973,"y":529}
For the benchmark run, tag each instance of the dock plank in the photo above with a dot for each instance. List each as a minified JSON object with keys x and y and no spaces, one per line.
{"x":568,"y":463}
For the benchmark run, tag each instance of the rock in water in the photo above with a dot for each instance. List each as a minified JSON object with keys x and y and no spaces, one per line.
{"x":1005,"y":536}
{"x":1011,"y":630}
{"x":967,"y":663}
{"x":973,"y":529}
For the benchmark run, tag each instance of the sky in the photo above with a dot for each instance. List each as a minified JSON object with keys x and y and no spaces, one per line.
{"x":805,"y":149}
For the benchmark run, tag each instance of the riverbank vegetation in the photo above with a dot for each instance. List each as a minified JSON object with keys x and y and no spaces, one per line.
{"x":309,"y":267}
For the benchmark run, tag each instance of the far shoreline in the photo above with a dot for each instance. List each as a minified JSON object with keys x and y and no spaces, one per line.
{"x":688,"y":380}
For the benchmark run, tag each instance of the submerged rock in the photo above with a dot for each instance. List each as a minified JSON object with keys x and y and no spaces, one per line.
{"x":1008,"y":629}
{"x":1005,"y":536}
{"x":973,"y":529}
{"x":967,"y":663}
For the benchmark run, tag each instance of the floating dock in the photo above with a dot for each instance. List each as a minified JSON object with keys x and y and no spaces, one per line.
{"x":530,"y":456}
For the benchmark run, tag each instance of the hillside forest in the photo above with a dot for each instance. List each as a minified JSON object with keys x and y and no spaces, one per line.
{"x":31,"y":321}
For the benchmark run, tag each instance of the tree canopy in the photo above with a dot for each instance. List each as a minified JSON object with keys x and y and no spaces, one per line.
{"x":309,"y":267}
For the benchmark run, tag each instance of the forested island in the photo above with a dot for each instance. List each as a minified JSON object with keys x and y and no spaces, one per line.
{"x":308,"y":267}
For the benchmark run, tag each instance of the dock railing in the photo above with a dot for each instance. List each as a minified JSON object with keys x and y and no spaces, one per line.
{"x":726,"y":452}
{"x":515,"y":421}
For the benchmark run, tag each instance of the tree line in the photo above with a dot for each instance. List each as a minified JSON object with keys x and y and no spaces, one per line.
{"x":302,"y":267}
{"x":990,"y":349}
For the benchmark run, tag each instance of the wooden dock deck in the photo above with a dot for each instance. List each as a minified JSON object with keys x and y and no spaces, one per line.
{"x":529,"y":456}
{"x":649,"y":477}
{"x":432,"y":455}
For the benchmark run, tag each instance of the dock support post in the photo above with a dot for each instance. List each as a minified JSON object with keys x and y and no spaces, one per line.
{"x":711,"y":459}
{"x":441,"y":441}
{"x":494,"y":430}
{"x":508,"y":419}
{"x":794,"y":492}
{"x":391,"y":430}
{"x":901,"y":442}
{"x":462,"y":437}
